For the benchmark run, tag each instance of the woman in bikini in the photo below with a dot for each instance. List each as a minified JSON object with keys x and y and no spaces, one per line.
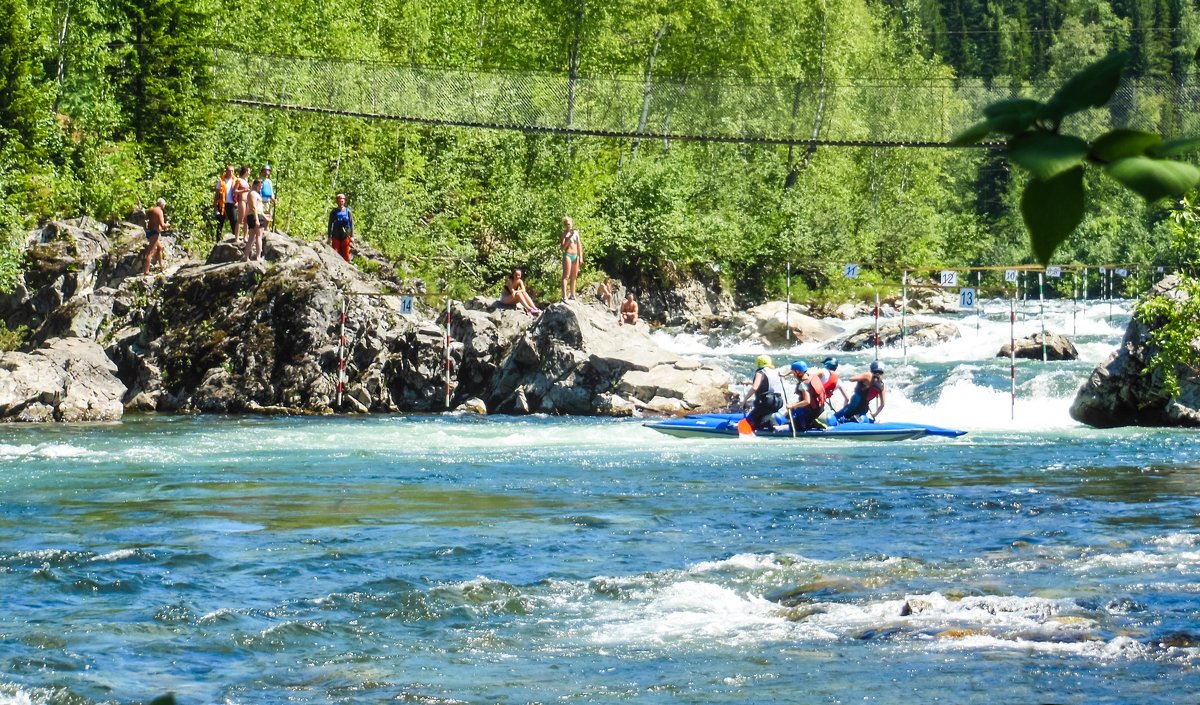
{"x":572,"y":257}
{"x":515,"y":293}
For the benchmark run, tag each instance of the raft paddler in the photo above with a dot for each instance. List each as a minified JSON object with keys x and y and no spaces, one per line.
{"x":808,"y":403}
{"x":868,"y":387}
{"x":766,"y":389}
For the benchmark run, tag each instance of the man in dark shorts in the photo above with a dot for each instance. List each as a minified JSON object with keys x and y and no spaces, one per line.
{"x":156,"y":223}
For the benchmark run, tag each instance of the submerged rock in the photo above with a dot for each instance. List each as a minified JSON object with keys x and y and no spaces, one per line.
{"x":1057,"y":347}
{"x":919,"y":333}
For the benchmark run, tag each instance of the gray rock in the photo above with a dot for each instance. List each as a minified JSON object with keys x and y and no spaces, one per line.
{"x":70,"y":380}
{"x":770,"y":323}
{"x":920,"y":333}
{"x":576,"y":357}
{"x":1057,"y":347}
{"x":1119,"y":392}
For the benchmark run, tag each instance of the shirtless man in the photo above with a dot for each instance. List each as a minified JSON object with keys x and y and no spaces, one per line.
{"x":256,"y":221}
{"x":156,"y":223}
{"x":629,"y":310}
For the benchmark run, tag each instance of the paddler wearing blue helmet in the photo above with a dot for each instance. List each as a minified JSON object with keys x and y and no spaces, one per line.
{"x":868,"y":387}
{"x":765,"y":389}
{"x":809,"y":401}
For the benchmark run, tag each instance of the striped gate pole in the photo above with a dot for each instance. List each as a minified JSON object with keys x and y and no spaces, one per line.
{"x":447,"y":354}
{"x":1012,"y":354}
{"x":341,"y":383}
{"x":1042,"y":310}
{"x":904,"y":316}
{"x":877,"y":341}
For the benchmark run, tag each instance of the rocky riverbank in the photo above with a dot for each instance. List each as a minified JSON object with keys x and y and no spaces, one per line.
{"x":1123,"y":391}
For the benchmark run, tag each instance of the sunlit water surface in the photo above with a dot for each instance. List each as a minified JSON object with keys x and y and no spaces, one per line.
{"x":517,"y":560}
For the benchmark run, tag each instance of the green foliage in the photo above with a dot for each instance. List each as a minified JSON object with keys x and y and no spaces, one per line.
{"x":12,"y":339}
{"x":1055,"y":202}
{"x":1175,"y":333}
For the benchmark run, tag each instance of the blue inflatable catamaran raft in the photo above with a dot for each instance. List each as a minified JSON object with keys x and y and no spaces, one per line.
{"x":726,"y":426}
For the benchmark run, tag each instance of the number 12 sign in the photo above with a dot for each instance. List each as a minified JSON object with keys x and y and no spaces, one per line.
{"x":949,"y":278}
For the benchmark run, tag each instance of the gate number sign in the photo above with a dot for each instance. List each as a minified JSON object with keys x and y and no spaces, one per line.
{"x":406,"y":305}
{"x":966,"y":297}
{"x":1010,"y":275}
{"x":1054,"y":272}
{"x":949,"y":278}
{"x":850,"y":271}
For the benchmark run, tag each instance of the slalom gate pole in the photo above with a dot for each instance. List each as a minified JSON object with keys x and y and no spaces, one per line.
{"x":341,"y":353}
{"x":446,"y":348}
{"x":1085,"y":285}
{"x":877,"y":341}
{"x":904,"y":315}
{"x":1012,"y":355}
{"x":1074,"y":302}
{"x":787,"y":312}
{"x":978,"y":289}
{"x":1042,"y":310}
{"x":1110,"y":294}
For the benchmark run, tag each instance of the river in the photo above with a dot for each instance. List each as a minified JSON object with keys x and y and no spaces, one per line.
{"x":457,"y":559}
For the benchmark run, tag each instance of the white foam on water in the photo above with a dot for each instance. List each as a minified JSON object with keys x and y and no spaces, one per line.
{"x":118,"y":555}
{"x":687,"y":612}
{"x":64,"y":450}
{"x":13,"y":694}
{"x":1186,"y":562}
{"x":1185,"y":539}
{"x":16,"y":451}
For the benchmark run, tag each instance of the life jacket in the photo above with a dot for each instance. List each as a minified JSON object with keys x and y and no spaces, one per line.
{"x":816,"y":394}
{"x":341,"y":223}
{"x":268,"y":189}
{"x":869,"y":390}
{"x":831,"y":384}
{"x":224,"y":194}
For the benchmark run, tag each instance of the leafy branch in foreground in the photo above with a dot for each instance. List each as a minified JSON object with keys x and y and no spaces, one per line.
{"x":1175,"y":322}
{"x":1053,"y":203}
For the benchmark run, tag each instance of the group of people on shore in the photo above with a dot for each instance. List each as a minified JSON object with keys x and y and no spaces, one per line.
{"x":814,"y":389}
{"x":248,"y":206}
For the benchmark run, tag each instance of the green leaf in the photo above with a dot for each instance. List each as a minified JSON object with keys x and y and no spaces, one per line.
{"x":1120,"y":144}
{"x":1153,"y":179}
{"x":972,"y":134}
{"x":1090,"y":88}
{"x":1047,"y":155}
{"x":1012,"y":106}
{"x":1176,"y":147}
{"x":1051,"y":210}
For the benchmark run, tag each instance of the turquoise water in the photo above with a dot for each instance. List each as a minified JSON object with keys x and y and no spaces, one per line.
{"x":521,"y":560}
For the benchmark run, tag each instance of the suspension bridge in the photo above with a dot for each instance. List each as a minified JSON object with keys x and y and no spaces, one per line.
{"x":909,"y":112}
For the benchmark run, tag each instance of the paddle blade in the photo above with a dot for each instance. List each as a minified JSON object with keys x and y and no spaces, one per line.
{"x":744,"y":428}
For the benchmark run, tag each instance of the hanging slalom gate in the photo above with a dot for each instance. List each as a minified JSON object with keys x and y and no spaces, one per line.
{"x":1013,"y":288}
{"x":406,"y":308}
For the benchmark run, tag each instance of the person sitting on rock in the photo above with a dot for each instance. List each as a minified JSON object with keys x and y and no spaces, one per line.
{"x":868,"y":386}
{"x":605,"y":293}
{"x":515,"y":293}
{"x":629,"y":310}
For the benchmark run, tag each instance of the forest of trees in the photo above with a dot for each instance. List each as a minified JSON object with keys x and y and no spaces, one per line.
{"x":109,"y":104}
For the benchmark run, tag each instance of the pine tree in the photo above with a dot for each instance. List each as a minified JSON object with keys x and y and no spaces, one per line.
{"x":163,"y":72}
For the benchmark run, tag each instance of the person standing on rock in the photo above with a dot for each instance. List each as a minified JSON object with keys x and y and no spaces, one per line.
{"x":156,"y":223}
{"x":267,"y":191}
{"x":629,"y":310}
{"x":340,"y":230}
{"x":868,"y":386}
{"x":572,"y":257}
{"x":256,"y":221}
{"x":224,"y":205}
{"x":605,"y":293}
{"x":241,"y":191}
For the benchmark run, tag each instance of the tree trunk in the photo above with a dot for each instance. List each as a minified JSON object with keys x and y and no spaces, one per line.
{"x":573,"y":63}
{"x":648,"y":87}
{"x":62,"y":56}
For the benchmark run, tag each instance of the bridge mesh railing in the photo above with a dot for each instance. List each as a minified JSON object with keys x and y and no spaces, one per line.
{"x":889,"y":112}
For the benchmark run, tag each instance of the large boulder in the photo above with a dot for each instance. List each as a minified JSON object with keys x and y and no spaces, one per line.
{"x":1122,"y":391}
{"x":919,"y":333}
{"x":577,"y":359}
{"x":774,"y":324}
{"x":70,"y":380}
{"x":1056,"y":347}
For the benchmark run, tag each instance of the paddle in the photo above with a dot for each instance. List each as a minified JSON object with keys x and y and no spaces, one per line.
{"x":786,"y":409}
